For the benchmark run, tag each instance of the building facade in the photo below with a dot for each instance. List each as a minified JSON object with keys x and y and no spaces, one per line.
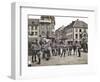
{"x":42,"y":27}
{"x":73,"y":32}
{"x":59,"y":33}
{"x":33,"y":29}
{"x":47,"y":24}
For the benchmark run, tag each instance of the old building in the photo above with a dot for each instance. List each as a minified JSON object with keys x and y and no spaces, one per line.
{"x":47,"y":24}
{"x":73,"y":31}
{"x":59,"y":32}
{"x":42,"y":27}
{"x":33,"y":29}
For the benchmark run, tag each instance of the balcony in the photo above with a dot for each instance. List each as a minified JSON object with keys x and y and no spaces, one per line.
{"x":45,"y":21}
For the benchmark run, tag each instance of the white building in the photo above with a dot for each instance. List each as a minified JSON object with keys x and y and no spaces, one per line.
{"x":73,"y":31}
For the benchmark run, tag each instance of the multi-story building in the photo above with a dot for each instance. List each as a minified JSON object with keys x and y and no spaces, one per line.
{"x":47,"y":24}
{"x":33,"y":29}
{"x":59,"y":32}
{"x":40,"y":27}
{"x":73,"y":31}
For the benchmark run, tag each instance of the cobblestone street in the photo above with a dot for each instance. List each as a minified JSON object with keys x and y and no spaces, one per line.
{"x":67,"y":60}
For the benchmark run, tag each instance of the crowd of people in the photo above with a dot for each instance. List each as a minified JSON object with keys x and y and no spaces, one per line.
{"x":45,"y":48}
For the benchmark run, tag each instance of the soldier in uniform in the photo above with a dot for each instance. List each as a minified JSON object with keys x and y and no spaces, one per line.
{"x":64,"y":50}
{"x":36,"y":52}
{"x":57,"y":49}
{"x":79,"y":50}
{"x":75,"y":48}
{"x":53,"y":48}
{"x":59,"y":52}
{"x":69,"y":49}
{"x":46,"y":51}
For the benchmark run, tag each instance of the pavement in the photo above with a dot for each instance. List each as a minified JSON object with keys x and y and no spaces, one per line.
{"x":67,"y":60}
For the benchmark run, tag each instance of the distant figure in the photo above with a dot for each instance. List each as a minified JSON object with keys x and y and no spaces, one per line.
{"x":79,"y":51}
{"x":53,"y":45}
{"x":63,"y":51}
{"x":36,"y":52}
{"x":57,"y":49}
{"x":69,"y":49}
{"x":59,"y":52}
{"x":74,"y":49}
{"x":46,"y":51}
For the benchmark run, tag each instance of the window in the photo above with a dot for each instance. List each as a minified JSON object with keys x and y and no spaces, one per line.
{"x":80,"y":30}
{"x":69,"y":30}
{"x":80,"y":36}
{"x":35,"y":33}
{"x":32,"y":33}
{"x":76,"y":42}
{"x":76,"y":36}
{"x":33,"y":22}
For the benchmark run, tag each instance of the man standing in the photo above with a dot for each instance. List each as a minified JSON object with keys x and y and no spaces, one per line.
{"x":74,"y":48}
{"x":36,"y":52}
{"x":69,"y":49}
{"x":79,"y":51}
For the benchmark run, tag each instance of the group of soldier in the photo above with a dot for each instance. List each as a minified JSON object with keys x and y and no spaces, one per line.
{"x":44,"y":49}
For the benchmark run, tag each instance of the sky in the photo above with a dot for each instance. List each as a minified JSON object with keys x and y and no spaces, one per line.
{"x":67,"y":20}
{"x":63,"y":21}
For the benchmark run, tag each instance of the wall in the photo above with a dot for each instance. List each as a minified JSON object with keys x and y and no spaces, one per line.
{"x":5,"y":38}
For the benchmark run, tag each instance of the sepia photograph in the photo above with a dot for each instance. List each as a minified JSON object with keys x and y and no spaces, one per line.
{"x":51,"y":42}
{"x":57,"y":40}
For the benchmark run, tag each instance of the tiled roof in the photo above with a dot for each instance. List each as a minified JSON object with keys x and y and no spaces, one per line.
{"x":70,"y":25}
{"x":79,"y":23}
{"x":61,"y":28}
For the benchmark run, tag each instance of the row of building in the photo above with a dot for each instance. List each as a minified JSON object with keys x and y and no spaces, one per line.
{"x":45,"y":26}
{"x":74,"y":32}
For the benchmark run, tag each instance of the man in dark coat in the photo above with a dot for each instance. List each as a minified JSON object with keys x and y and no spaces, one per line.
{"x":79,"y":50}
{"x":69,"y":49}
{"x":46,"y":51}
{"x":36,"y":52}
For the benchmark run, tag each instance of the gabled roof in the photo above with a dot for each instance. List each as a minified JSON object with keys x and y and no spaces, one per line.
{"x":60,"y":28}
{"x":79,"y":23}
{"x":70,"y":25}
